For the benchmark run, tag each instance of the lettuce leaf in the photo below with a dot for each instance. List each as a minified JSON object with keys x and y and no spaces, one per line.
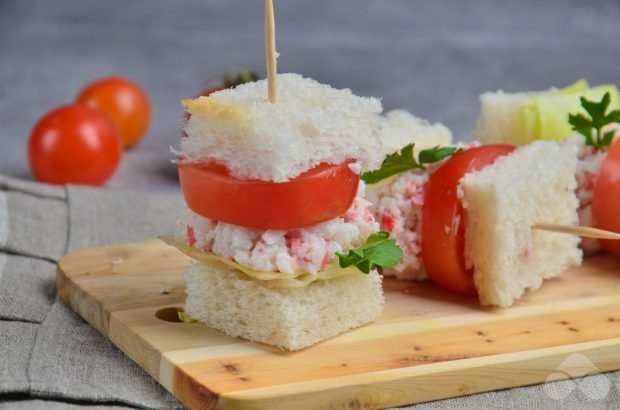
{"x":297,"y":279}
{"x":186,"y":317}
{"x":546,"y":117}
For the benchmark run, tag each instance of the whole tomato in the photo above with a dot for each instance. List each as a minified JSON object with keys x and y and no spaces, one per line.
{"x":73,"y":144}
{"x":123,"y":101}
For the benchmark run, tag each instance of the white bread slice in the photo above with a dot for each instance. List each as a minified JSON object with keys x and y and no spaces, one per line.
{"x":312,"y":123}
{"x":536,"y":183}
{"x":499,"y":118}
{"x":400,"y":128}
{"x":290,"y":318}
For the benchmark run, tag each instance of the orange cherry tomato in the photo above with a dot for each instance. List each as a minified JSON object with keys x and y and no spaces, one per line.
{"x":124,"y":102}
{"x":606,"y":198}
{"x":320,"y":194}
{"x":74,"y":145}
{"x":443,"y":218}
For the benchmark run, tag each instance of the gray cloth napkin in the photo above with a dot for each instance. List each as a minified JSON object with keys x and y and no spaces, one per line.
{"x":51,"y":359}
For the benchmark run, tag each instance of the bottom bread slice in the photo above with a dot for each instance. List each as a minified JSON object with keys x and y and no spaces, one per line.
{"x":224,"y":299}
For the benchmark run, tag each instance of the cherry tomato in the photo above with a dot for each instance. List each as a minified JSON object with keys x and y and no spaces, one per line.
{"x":320,"y":194}
{"x":443,"y":219}
{"x":124,"y":102}
{"x":606,"y":199}
{"x":74,"y":144}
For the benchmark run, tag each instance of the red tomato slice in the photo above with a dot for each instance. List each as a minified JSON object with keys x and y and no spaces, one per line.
{"x":443,"y":219}
{"x":318,"y":195}
{"x":606,"y":199}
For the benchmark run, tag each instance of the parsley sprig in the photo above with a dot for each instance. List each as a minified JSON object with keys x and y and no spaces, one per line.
{"x":404,"y":161}
{"x":592,"y":128}
{"x":379,"y":250}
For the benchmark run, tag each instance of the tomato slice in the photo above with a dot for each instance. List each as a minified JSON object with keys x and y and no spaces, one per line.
{"x":318,"y":195}
{"x":443,"y":218}
{"x":606,"y":198}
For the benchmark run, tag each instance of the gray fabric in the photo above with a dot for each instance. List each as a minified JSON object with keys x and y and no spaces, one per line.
{"x":98,"y":218}
{"x":71,"y":359}
{"x":26,"y":288}
{"x":30,"y":187}
{"x":16,"y":341}
{"x":36,"y":227}
{"x":46,"y":351}
{"x":25,"y":404}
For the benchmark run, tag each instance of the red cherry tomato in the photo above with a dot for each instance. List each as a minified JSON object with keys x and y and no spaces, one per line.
{"x":124,"y":102}
{"x":606,"y":199}
{"x":320,"y":194}
{"x":443,"y":219}
{"x":74,"y":144}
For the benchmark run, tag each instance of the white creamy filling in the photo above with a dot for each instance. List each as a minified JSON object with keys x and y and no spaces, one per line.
{"x":287,"y":251}
{"x":399,"y":211}
{"x":588,"y":169}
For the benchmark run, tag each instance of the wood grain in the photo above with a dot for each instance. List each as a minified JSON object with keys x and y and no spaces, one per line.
{"x":428,"y":345}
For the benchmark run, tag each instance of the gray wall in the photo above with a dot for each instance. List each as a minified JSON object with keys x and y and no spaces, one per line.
{"x":431,"y":57}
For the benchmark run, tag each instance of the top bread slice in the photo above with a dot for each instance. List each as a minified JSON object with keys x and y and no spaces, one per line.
{"x":534,"y":184}
{"x":500,"y":119}
{"x":312,"y":123}
{"x":400,"y":128}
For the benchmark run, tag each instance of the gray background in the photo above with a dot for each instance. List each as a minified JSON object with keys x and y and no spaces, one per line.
{"x":432,"y":57}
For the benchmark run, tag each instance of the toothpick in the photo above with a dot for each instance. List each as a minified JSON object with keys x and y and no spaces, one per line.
{"x":270,"y":51}
{"x":578,"y":230}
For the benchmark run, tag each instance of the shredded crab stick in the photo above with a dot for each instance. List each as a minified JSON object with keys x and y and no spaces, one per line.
{"x":308,"y":249}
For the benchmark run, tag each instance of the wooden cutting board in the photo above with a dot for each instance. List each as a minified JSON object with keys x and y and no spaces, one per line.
{"x":428,"y":345}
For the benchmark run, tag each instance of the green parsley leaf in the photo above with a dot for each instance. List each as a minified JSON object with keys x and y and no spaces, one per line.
{"x":435,"y":154}
{"x":404,"y":161}
{"x":591,"y":126}
{"x":379,"y":250}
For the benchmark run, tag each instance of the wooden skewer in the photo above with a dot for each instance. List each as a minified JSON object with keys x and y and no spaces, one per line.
{"x":270,"y":51}
{"x":578,"y":230}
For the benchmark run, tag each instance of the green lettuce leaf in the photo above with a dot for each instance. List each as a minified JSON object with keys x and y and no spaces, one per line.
{"x":546,"y":117}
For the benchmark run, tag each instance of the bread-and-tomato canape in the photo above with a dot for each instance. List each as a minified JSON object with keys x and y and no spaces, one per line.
{"x":465,"y":220}
{"x":586,"y":117}
{"x":285,"y":244}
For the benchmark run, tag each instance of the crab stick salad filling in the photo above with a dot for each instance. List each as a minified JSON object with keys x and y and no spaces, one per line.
{"x":598,"y":182}
{"x":275,"y":188}
{"x":399,"y":204}
{"x":308,"y":249}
